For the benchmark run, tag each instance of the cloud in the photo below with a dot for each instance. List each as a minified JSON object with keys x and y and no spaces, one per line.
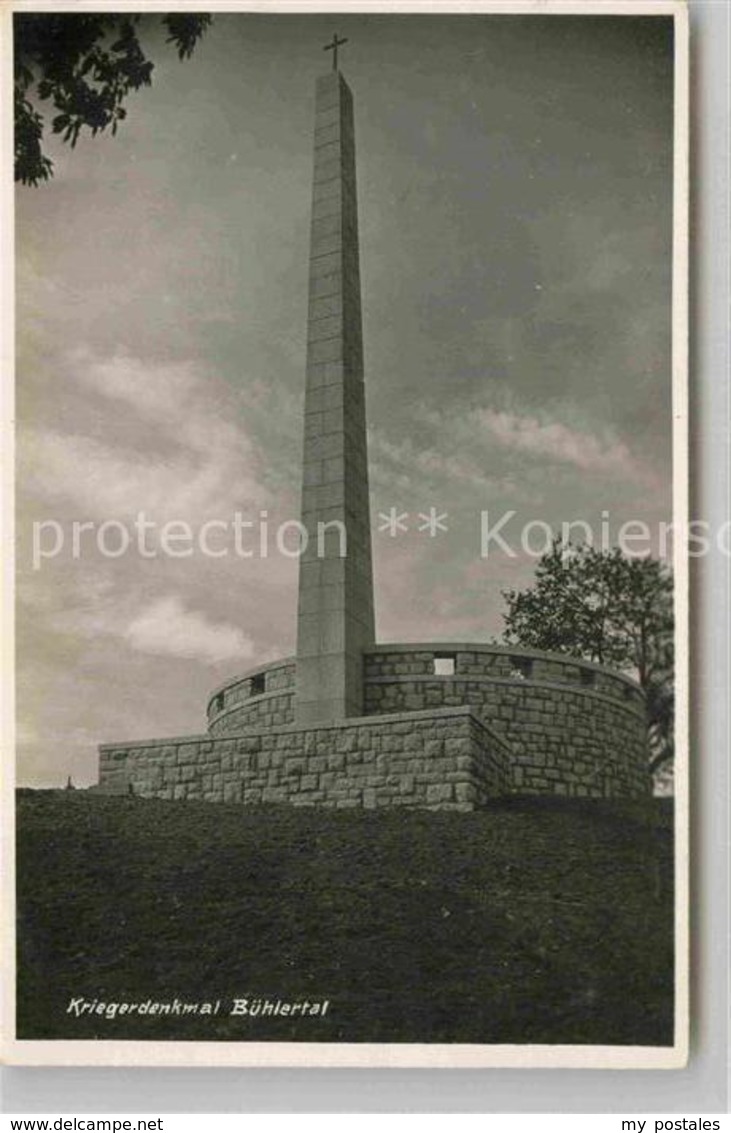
{"x":544,"y":439}
{"x":502,"y":451}
{"x":405,"y":464}
{"x":538,"y":436}
{"x":167,"y":628}
{"x":174,"y":445}
{"x":175,"y":397}
{"x":107,"y":482}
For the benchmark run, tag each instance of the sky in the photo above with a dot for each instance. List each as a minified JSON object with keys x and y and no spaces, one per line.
{"x":515,"y":196}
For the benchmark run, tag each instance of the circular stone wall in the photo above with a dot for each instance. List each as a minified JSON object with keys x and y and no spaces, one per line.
{"x":261,"y":697}
{"x":573,"y":728}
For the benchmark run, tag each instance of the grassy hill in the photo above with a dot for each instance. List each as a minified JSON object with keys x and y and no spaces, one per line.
{"x":534,"y":920}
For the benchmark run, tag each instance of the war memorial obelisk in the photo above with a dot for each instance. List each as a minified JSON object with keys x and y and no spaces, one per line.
{"x":348,"y":721}
{"x":335,"y":620}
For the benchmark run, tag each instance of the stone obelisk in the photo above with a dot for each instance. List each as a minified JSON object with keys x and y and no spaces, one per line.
{"x":335,"y":618}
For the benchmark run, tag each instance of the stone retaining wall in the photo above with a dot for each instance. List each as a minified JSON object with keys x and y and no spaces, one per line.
{"x":443,"y":759}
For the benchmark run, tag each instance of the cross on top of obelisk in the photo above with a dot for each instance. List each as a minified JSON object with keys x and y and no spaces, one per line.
{"x":336,"y":43}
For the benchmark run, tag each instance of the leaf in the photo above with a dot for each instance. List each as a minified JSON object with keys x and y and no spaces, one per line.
{"x":69,"y":62}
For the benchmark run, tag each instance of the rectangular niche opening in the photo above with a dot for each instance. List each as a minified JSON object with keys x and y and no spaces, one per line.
{"x":445,"y":664}
{"x":218,"y":702}
{"x":258,"y":684}
{"x":587,"y":677}
{"x":521,"y":668}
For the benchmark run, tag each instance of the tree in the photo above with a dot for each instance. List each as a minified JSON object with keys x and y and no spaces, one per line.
{"x":604,"y":607}
{"x":85,"y":65}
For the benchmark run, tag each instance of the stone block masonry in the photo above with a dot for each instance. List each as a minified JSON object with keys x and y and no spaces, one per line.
{"x":572,"y":727}
{"x":350,"y":722}
{"x":442,"y":760}
{"x":335,"y":619}
{"x":263,"y":697}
